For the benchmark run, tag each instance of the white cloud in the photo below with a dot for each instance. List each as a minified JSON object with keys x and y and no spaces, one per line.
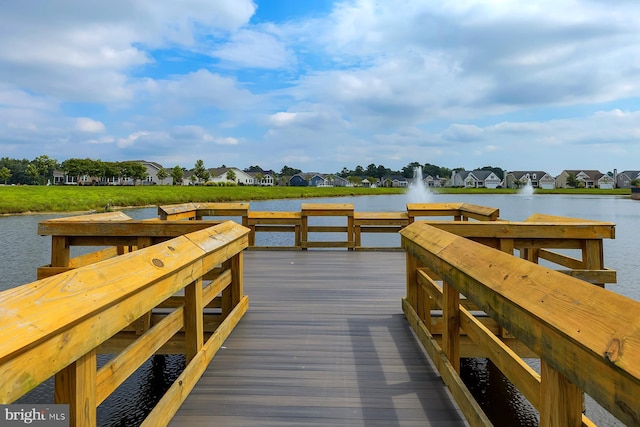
{"x":86,"y":124}
{"x":255,"y":49}
{"x":226,"y":141}
{"x":132,"y":138}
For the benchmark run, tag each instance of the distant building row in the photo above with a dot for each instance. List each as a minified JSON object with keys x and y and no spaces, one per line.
{"x":468,"y":179}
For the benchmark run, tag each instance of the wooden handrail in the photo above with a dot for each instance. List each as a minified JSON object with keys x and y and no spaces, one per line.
{"x":54,"y":326}
{"x":595,"y":349}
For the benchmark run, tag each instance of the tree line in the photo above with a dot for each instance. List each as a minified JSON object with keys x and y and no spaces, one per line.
{"x":39,"y":171}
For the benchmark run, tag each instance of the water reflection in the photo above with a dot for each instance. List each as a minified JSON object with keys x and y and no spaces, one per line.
{"x":496,"y":395}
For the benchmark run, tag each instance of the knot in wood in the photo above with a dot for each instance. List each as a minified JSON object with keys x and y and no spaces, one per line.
{"x":613,"y":351}
{"x":157,"y":262}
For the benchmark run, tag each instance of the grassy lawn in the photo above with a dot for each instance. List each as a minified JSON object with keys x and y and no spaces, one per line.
{"x":23,"y":199}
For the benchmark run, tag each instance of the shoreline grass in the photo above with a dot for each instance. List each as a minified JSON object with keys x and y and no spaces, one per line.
{"x":45,"y":199}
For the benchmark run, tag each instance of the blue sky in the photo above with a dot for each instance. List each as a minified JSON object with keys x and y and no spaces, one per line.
{"x":322,"y":85}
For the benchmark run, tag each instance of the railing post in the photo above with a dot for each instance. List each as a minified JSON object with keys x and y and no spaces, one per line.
{"x":593,"y":256}
{"x":76,"y":386}
{"x":193,"y":320}
{"x":560,"y":400}
{"x":60,"y":252}
{"x":451,"y":330}
{"x":412,"y":280}
{"x":232,"y":294}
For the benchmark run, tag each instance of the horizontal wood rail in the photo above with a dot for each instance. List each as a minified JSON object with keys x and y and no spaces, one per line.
{"x":298,"y":222}
{"x":55,"y":326}
{"x":460,"y":211}
{"x":536,"y":238}
{"x":587,"y":338}
{"x":195,"y":211}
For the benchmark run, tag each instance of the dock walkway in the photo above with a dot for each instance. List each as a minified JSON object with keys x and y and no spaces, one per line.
{"x":324,"y":342}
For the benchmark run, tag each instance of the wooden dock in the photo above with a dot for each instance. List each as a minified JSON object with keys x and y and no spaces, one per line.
{"x":325,"y":342}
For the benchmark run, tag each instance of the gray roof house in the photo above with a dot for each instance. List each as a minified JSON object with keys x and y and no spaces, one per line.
{"x":624,"y":178}
{"x":475,"y":179}
{"x":586,"y":178}
{"x":539,"y":179}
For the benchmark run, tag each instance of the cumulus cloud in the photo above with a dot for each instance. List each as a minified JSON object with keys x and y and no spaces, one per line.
{"x":86,"y":124}
{"x":449,"y":82}
{"x":255,"y":49}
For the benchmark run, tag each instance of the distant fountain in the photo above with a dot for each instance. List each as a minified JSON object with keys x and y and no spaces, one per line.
{"x":527,"y":190}
{"x":418,"y":192}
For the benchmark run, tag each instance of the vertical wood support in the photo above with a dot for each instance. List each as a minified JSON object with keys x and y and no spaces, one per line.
{"x":76,"y":385}
{"x":193,"y":319}
{"x":232,"y":294}
{"x":60,"y":251}
{"x":304,"y":231}
{"x":451,"y":330}
{"x":350,"y":231}
{"x":507,"y":245}
{"x":296,"y":237}
{"x":412,"y":280}
{"x":144,"y":322}
{"x":252,"y":235}
{"x":593,"y":256}
{"x":560,"y":400}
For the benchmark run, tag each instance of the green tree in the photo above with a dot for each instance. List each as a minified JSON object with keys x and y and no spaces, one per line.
{"x":77,"y":168}
{"x":572,"y":181}
{"x":231,"y":175}
{"x":17,"y":168}
{"x":408,"y":171}
{"x":45,"y":166}
{"x":134,"y":170}
{"x":288,"y":171}
{"x":200,"y":172}
{"x":177,"y":174}
{"x":162,"y":175}
{"x":33,"y":174}
{"x":635,"y":182}
{"x":354,"y":180}
{"x":5,"y":174}
{"x":258,"y":178}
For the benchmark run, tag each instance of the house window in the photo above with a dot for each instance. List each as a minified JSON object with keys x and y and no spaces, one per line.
{"x":533,"y":176}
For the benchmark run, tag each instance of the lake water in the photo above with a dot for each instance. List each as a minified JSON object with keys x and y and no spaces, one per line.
{"x":24,"y":251}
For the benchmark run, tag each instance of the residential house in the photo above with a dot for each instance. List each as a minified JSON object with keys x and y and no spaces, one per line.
{"x":432,"y":182}
{"x":586,"y":178}
{"x":263,"y":178}
{"x":475,"y":179}
{"x":152,"y":169}
{"x":539,"y":179}
{"x":624,"y":178}
{"x":299,"y":180}
{"x":396,"y":181}
{"x":219,"y":175}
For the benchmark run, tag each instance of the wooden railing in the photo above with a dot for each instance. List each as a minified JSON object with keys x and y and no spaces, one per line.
{"x":301,"y":223}
{"x":57,"y":325}
{"x":587,"y":338}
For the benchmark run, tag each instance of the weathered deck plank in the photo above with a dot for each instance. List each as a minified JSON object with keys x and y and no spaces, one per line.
{"x":324,"y":342}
